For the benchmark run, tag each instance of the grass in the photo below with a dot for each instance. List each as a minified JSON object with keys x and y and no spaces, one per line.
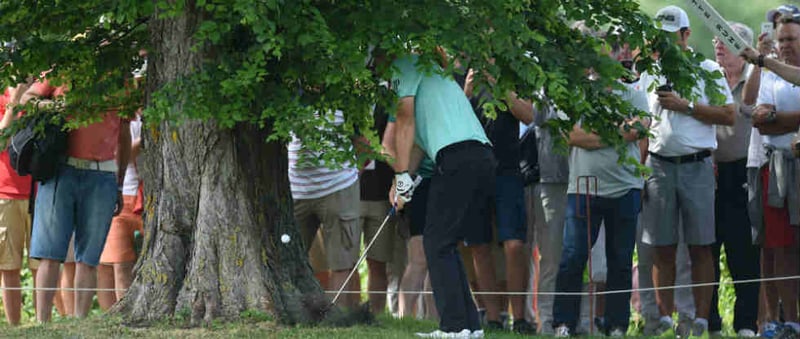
{"x":247,"y":327}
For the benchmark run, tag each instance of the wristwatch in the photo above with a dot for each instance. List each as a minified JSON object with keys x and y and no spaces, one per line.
{"x":690,"y":109}
{"x":772,"y":116}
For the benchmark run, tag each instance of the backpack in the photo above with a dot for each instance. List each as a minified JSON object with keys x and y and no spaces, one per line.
{"x":529,"y":157}
{"x":40,"y":146}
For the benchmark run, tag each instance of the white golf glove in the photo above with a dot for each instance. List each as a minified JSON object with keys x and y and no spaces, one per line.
{"x":404,"y":187}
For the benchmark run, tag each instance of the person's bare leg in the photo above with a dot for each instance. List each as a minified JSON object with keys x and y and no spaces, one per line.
{"x":85,"y":278}
{"x":46,"y":277}
{"x":377,"y":281}
{"x":431,"y":313}
{"x":664,"y":275}
{"x":516,"y":275}
{"x":105,"y":280}
{"x":413,"y":277}
{"x":323,"y":277}
{"x":484,"y":271}
{"x":67,"y":281}
{"x":702,"y":273}
{"x":123,"y":277}
{"x":337,"y":278}
{"x":600,"y":301}
{"x":786,"y":266}
{"x":771,"y":304}
{"x":12,"y":299}
{"x":33,"y":274}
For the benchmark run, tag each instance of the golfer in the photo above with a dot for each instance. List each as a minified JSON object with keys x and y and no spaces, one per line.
{"x":435,"y":118}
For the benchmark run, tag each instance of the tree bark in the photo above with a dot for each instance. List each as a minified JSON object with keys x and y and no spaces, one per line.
{"x":217,"y":202}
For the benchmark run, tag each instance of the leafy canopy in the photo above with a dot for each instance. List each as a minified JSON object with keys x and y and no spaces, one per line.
{"x":275,"y":63}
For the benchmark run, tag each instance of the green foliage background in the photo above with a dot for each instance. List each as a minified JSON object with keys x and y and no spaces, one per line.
{"x":750,"y":13}
{"x":265,"y":53}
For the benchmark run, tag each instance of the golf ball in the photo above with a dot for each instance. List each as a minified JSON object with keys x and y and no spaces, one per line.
{"x":285,"y":238}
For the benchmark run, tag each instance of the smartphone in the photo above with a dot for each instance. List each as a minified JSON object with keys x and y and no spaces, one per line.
{"x":766,"y":27}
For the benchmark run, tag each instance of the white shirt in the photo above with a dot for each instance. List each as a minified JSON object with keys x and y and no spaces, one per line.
{"x":130,"y":186}
{"x":785,"y":97}
{"x":309,"y":181}
{"x":756,"y":153}
{"x":676,"y":133}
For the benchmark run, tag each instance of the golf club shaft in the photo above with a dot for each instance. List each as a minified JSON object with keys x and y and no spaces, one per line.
{"x":364,"y":255}
{"x":392,"y":211}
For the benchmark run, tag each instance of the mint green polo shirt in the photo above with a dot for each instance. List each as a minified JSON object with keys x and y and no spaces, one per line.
{"x":425,"y":168}
{"x":442,"y":112}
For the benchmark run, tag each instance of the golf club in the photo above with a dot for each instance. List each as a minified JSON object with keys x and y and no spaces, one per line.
{"x":392,"y":211}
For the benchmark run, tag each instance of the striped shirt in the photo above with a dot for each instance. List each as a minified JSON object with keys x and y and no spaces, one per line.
{"x":310,"y":181}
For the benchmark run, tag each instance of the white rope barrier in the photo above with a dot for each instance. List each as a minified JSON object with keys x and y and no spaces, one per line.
{"x":796,"y":277}
{"x":731,"y":282}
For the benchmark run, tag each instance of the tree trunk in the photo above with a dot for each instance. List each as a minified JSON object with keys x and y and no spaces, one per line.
{"x":217,"y":202}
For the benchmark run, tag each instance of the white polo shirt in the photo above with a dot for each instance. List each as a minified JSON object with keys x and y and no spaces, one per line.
{"x":676,"y":133}
{"x":311,"y":181}
{"x":785,"y":97}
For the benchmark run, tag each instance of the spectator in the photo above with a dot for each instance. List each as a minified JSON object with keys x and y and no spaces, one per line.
{"x":15,"y":219}
{"x":617,"y":203}
{"x":682,"y":182}
{"x":549,"y":196}
{"x":119,"y":255}
{"x":509,"y":209}
{"x":86,"y":200}
{"x":777,"y":120}
{"x":732,"y":223}
{"x":434,"y":113}
{"x":327,"y":198}
{"x":765,"y":56}
{"x":375,"y":180}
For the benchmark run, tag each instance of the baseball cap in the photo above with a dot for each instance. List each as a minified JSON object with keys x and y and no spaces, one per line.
{"x":743,"y":31}
{"x":672,"y":18}
{"x":782,"y":9}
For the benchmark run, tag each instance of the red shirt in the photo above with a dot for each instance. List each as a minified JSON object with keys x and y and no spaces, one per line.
{"x":97,"y":141}
{"x":12,"y":186}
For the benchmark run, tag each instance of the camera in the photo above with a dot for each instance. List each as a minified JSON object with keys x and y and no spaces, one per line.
{"x":664,"y":88}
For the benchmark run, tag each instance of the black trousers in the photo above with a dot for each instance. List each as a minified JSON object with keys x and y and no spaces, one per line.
{"x":733,"y":230}
{"x":459,"y":201}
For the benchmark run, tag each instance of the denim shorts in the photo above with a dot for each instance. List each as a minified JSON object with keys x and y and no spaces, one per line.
{"x":75,"y":201}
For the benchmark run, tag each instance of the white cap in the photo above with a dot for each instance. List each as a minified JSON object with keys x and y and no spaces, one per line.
{"x":672,"y":18}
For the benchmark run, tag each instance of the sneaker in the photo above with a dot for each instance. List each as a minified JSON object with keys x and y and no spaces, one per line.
{"x":665,"y":329}
{"x":770,"y":329}
{"x":617,"y":333}
{"x":494,"y":326}
{"x":562,"y":331}
{"x":476,"y":334}
{"x":523,"y":327}
{"x":547,"y":328}
{"x":787,"y":332}
{"x":464,"y":334}
{"x":650,"y":327}
{"x":600,"y":325}
{"x":684,"y":327}
{"x":482,"y":315}
{"x":746,"y":333}
{"x":699,"y":330}
{"x":505,"y":319}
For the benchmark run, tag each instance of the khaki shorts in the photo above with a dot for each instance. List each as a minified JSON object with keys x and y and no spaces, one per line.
{"x":337,"y":214}
{"x":15,"y":233}
{"x":372,"y":215}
